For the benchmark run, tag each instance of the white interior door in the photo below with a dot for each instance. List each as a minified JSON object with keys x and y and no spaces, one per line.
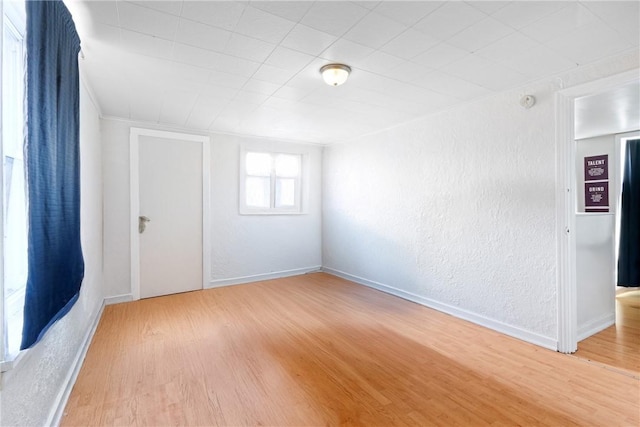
{"x":171,"y":198}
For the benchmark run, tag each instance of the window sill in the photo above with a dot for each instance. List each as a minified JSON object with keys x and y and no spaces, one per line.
{"x":7,"y":365}
{"x":250,"y":213}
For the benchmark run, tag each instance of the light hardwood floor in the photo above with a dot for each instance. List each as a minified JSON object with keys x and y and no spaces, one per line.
{"x":319,"y":350}
{"x":618,"y":346}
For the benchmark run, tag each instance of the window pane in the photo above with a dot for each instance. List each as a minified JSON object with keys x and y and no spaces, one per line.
{"x":13,"y":89}
{"x":287,"y":165}
{"x":257,"y":191}
{"x":14,"y":191}
{"x":285,"y":192}
{"x":258,"y":164}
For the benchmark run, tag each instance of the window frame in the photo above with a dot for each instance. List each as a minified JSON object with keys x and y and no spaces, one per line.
{"x":13,"y":19}
{"x":301,"y":181}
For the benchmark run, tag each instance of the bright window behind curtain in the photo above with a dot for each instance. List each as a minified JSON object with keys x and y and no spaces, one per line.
{"x":56,"y":265}
{"x":14,"y":191}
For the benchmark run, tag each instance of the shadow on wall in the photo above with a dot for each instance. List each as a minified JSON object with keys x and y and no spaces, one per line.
{"x":382,"y":254}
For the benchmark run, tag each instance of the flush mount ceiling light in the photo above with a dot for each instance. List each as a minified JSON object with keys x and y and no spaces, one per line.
{"x":335,"y":74}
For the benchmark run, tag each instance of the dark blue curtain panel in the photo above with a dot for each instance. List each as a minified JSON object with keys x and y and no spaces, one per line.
{"x":56,"y":265}
{"x":629,"y":254}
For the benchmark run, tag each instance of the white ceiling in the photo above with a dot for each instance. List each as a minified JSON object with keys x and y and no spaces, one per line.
{"x":251,"y":67}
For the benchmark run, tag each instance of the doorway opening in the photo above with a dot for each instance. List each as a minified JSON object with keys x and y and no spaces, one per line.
{"x":567,"y":133}
{"x":606,"y":114}
{"x":616,"y":343}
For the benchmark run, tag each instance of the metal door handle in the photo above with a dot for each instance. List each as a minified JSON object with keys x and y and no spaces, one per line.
{"x":142,"y":223}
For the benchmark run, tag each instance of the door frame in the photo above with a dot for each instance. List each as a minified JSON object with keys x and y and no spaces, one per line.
{"x":565,"y":203}
{"x":134,"y":174}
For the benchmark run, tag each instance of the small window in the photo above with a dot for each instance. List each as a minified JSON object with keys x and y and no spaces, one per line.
{"x":270,"y":183}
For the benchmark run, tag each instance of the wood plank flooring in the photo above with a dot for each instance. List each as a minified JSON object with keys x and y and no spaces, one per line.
{"x":318,"y":350}
{"x":618,"y":346}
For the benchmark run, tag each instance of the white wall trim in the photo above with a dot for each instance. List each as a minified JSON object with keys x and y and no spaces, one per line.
{"x":596,"y":325}
{"x":134,"y":173}
{"x":219,"y":283}
{"x":57,"y":409}
{"x":565,"y":203}
{"x":602,"y":84}
{"x":134,"y":206}
{"x":206,"y":211}
{"x":117,"y":299}
{"x":567,"y":306}
{"x":522,"y":334}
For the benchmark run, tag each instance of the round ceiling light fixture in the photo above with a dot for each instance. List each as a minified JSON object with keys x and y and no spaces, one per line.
{"x":528,"y":101}
{"x":335,"y":74}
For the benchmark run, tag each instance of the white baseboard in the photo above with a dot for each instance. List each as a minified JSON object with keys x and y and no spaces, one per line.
{"x":117,"y":299}
{"x":57,"y":410}
{"x":594,"y":326}
{"x":486,"y":322}
{"x":259,"y":277}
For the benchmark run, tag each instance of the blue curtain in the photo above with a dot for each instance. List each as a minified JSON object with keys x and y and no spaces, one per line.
{"x":629,"y":254}
{"x":56,"y":265}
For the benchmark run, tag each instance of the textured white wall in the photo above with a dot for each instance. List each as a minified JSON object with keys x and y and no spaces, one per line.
{"x":458,"y":208}
{"x":243,"y":247}
{"x":30,"y":390}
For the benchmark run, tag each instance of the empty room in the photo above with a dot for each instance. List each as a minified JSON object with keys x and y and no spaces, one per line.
{"x":312,"y":213}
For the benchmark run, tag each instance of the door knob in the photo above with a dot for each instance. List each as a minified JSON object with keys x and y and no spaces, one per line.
{"x":142,"y":223}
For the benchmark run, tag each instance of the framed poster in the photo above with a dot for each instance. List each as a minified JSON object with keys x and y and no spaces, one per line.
{"x":596,"y":168}
{"x":596,"y":195}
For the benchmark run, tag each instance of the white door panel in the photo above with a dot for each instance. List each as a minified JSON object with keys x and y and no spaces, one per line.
{"x":170,"y":195}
